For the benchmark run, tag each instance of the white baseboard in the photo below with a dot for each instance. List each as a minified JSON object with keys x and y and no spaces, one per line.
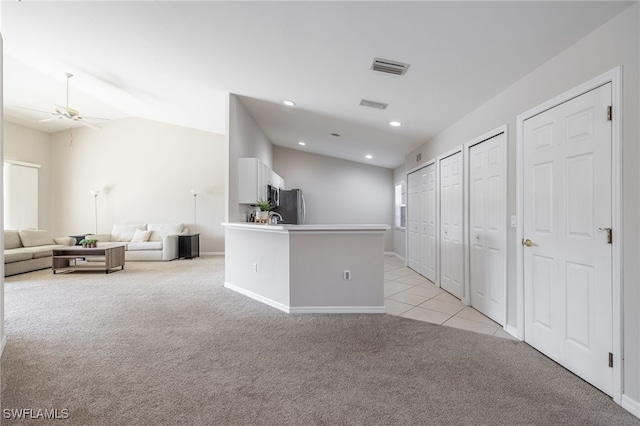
{"x":392,"y":253}
{"x":630,"y":405}
{"x":338,"y":310}
{"x":212,"y":253}
{"x":257,"y":297}
{"x":307,"y":309}
{"x":3,"y":343}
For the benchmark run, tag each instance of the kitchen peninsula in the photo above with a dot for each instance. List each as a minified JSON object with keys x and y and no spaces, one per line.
{"x":307,"y":268}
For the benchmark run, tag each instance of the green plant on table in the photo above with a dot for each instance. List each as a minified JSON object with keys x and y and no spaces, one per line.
{"x":88,"y":242}
{"x":264,"y":206}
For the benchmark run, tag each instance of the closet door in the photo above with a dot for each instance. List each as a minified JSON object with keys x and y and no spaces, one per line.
{"x":414,"y":213}
{"x":488,"y":227}
{"x":451,"y":228}
{"x":428,"y":222}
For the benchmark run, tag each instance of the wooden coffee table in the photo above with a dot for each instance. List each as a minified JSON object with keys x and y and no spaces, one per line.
{"x":106,"y":257}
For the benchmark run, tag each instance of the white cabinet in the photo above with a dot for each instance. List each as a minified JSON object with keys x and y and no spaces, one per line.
{"x":253,"y":178}
{"x":276,"y":180}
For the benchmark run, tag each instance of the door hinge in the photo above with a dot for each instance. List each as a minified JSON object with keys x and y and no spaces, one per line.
{"x":609,"y":113}
{"x":610,"y":359}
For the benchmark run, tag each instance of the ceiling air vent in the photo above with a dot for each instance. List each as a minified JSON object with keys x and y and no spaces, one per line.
{"x":373,"y":104}
{"x":388,"y":66}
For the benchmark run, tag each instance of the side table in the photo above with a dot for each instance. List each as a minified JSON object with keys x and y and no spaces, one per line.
{"x":79,"y":238}
{"x":188,"y":246}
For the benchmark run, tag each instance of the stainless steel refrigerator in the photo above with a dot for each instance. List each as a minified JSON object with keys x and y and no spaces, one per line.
{"x":292,"y":207}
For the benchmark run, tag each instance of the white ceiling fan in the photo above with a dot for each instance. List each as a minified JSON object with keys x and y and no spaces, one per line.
{"x":67,"y":113}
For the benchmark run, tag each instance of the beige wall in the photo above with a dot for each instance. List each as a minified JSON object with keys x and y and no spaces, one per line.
{"x":32,"y":146}
{"x":144,"y":170}
{"x":615,"y":43}
{"x":339,"y":191}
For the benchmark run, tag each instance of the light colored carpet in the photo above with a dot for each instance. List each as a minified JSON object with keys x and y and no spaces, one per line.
{"x":167,"y":344}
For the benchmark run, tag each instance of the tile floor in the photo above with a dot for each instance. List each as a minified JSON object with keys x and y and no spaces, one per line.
{"x":410,"y":295}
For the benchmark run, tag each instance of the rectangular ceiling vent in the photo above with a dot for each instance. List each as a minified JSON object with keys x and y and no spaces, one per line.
{"x":388,"y":66}
{"x":373,"y":104}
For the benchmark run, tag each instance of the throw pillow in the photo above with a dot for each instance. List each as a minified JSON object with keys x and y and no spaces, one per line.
{"x":11,"y":239}
{"x":124,"y":232}
{"x":35,"y":237}
{"x":161,"y":230}
{"x":141,"y":236}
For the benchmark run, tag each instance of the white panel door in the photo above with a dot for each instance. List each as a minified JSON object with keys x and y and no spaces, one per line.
{"x":414,"y":214}
{"x":428,"y":222}
{"x":488,"y":227}
{"x":451,"y":230}
{"x":567,"y":262}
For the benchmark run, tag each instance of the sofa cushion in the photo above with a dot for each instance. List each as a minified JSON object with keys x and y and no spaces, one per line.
{"x":35,"y":237}
{"x":11,"y":239}
{"x":148,"y":245}
{"x":141,"y":236}
{"x":41,"y":251}
{"x":161,"y":230}
{"x":123,"y":233}
{"x":16,"y":256}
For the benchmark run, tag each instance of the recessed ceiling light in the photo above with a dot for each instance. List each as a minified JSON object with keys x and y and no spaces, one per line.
{"x":395,"y":123}
{"x":289,"y":103}
{"x":301,"y":143}
{"x":368,"y":156}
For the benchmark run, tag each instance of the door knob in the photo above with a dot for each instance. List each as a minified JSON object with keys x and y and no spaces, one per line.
{"x":609,"y":237}
{"x":527,"y":242}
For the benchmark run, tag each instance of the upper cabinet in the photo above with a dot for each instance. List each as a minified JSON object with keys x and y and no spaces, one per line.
{"x":253,"y":178}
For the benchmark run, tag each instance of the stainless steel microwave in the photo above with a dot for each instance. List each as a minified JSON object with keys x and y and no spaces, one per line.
{"x":273,"y":195}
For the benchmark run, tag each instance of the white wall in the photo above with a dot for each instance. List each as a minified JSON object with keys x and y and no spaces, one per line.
{"x":339,"y":191}
{"x":32,"y":146}
{"x":399,"y":235}
{"x":3,"y":338}
{"x":245,"y":138}
{"x":144,"y":170}
{"x":615,"y":43}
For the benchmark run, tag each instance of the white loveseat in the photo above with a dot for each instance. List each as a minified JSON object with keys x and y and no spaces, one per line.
{"x":153,"y":241}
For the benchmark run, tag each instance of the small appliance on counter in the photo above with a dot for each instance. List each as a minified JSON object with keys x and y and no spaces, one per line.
{"x":292,"y":207}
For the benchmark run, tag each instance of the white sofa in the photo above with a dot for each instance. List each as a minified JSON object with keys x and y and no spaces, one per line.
{"x":28,"y":250}
{"x":153,"y":241}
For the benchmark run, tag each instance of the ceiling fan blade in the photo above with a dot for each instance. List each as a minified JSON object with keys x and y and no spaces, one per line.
{"x":31,"y":109}
{"x":53,"y":118}
{"x":87,"y":124}
{"x":96,"y":118}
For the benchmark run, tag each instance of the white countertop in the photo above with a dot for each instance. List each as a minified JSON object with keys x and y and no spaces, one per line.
{"x":309,"y":228}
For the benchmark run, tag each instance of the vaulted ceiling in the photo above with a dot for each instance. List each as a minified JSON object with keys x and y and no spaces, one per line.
{"x":176,"y":62}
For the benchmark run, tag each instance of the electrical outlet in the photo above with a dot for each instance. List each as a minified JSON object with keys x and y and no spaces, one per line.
{"x":347,"y":275}
{"x":255,"y":267}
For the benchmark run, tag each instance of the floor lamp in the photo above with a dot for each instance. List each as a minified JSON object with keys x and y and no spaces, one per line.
{"x":95,"y":206}
{"x":195,"y":196}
